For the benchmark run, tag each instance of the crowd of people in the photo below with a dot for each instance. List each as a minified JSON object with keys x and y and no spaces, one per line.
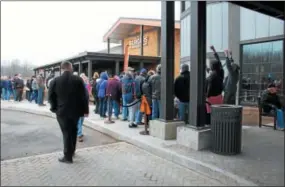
{"x":15,"y":87}
{"x":135,"y":95}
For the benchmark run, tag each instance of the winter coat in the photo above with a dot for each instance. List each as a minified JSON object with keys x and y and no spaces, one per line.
{"x":102,"y":85}
{"x":155,"y":82}
{"x":114,"y":89}
{"x":139,"y":80}
{"x":181,"y":87}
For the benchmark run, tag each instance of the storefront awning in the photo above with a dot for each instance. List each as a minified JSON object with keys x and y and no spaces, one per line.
{"x":122,"y":28}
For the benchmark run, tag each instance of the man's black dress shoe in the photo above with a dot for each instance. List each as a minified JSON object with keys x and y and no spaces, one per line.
{"x":65,"y":160}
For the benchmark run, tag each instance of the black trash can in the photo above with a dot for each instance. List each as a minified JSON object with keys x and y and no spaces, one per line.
{"x":226,"y":128}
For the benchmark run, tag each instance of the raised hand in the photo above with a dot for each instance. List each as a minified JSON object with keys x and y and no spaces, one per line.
{"x":213,"y":48}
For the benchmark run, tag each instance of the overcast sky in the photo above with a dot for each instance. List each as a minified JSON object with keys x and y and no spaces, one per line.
{"x":44,"y":32}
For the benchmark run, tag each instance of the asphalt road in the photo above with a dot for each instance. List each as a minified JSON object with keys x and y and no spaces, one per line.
{"x":24,"y":134}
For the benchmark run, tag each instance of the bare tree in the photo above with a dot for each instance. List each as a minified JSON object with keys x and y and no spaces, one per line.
{"x":10,"y":68}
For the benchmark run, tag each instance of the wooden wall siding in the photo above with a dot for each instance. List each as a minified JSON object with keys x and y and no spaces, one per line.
{"x":177,"y":53}
{"x":150,"y":49}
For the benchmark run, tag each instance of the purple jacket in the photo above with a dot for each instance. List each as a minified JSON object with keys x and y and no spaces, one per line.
{"x":114,"y":89}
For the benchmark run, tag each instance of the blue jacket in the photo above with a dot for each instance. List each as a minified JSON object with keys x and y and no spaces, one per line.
{"x":128,"y":84}
{"x":102,"y":85}
{"x":5,"y":84}
{"x":10,"y":86}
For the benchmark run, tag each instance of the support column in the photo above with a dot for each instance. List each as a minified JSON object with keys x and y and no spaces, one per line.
{"x":194,"y":135}
{"x":165,"y":128}
{"x":79,"y":68}
{"x":141,"y":39}
{"x":198,"y":63}
{"x":35,"y":72}
{"x":234,"y":38}
{"x":108,"y":45}
{"x":44,"y":74}
{"x":59,"y":67}
{"x":283,"y":56}
{"x":90,"y":69}
{"x":141,"y":65}
{"x":117,"y":67}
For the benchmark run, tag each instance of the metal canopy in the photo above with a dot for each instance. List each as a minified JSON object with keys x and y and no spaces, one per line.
{"x":270,"y":8}
{"x":87,"y":56}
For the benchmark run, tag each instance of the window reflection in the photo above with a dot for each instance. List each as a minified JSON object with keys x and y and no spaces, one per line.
{"x":261,"y":63}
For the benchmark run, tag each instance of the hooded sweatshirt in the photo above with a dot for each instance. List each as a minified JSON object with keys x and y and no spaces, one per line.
{"x":114,"y":89}
{"x":102,"y":85}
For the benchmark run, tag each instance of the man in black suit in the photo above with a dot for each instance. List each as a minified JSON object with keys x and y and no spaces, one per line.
{"x":68,"y":99}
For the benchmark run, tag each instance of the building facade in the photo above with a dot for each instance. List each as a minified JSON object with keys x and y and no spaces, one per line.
{"x":255,"y":39}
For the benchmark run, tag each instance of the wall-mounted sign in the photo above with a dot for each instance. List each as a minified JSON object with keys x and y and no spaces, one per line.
{"x":136,"y":43}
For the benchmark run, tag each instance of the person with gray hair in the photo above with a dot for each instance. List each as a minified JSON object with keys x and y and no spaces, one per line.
{"x":155,"y":82}
{"x":69,"y":101}
{"x":182,"y":91}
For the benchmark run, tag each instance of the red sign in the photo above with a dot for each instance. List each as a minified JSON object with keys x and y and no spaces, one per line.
{"x":126,"y":59}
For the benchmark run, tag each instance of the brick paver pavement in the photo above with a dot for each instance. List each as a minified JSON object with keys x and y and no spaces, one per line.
{"x":114,"y":164}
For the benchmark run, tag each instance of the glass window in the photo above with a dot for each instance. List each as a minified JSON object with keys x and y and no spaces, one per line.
{"x":185,"y":36}
{"x":260,"y":62}
{"x":276,"y":26}
{"x":217,"y":26}
{"x":262,"y":25}
{"x":187,"y":4}
{"x":225,"y":28}
{"x":247,"y":24}
{"x":216,"y":30}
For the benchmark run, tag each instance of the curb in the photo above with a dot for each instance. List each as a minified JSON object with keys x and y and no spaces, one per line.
{"x":209,"y":170}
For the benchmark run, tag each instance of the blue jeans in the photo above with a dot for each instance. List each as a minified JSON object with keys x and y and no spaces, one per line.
{"x":40,"y":96}
{"x":132,"y":113}
{"x":102,"y":106}
{"x":138,"y":113}
{"x":14,"y":94}
{"x":8,"y":94}
{"x":34,"y":96}
{"x":155,"y":108}
{"x":113,"y":104}
{"x":182,"y":109}
{"x":3,"y":93}
{"x":126,"y":99}
{"x":79,"y":126}
{"x":280,"y":118}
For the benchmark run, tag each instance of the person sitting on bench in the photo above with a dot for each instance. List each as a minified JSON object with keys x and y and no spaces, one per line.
{"x":270,"y":102}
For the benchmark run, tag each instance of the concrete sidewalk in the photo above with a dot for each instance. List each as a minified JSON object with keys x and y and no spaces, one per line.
{"x":261,"y":163}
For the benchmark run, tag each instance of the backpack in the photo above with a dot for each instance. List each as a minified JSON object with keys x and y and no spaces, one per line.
{"x":128,"y":87}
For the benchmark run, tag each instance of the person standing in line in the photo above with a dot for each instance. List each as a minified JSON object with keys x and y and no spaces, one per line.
{"x":155,"y":82}
{"x":19,"y":85}
{"x":35,"y":88}
{"x":10,"y":89}
{"x":139,"y":80}
{"x":231,"y":80}
{"x":29,"y":88}
{"x":113,"y":94}
{"x":128,"y":94}
{"x":182,"y":92}
{"x":13,"y":86}
{"x":4,"y":87}
{"x":101,"y":87}
{"x":95,"y":93}
{"x":69,"y":109}
{"x":81,"y":119}
{"x":41,"y":89}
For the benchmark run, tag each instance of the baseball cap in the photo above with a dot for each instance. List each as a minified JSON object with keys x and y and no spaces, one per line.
{"x":143,"y":70}
{"x":130,"y":69}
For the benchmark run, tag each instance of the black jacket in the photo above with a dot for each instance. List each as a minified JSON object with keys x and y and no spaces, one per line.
{"x":67,"y":96}
{"x":146,"y":90}
{"x":181,"y":87}
{"x":214,"y":84}
{"x":19,"y":83}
